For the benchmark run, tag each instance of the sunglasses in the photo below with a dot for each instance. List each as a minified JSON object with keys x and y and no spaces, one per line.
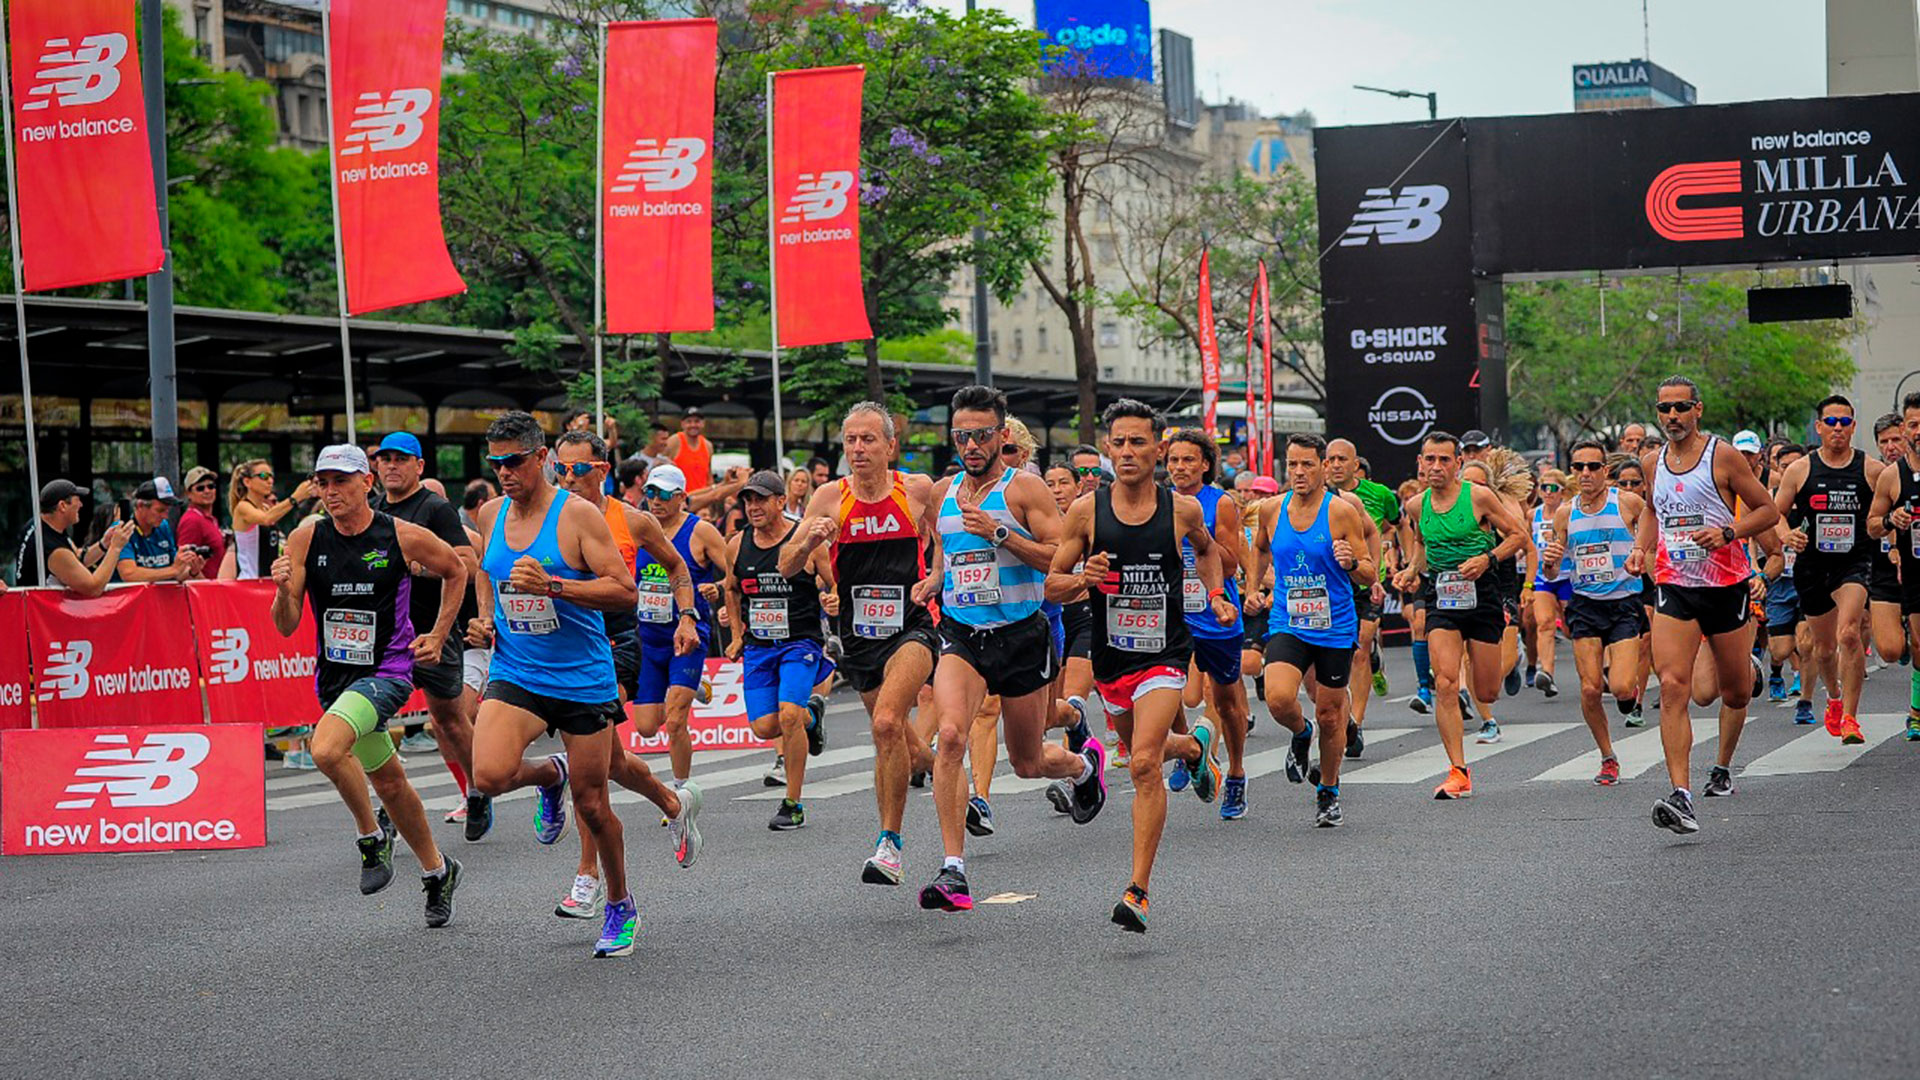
{"x":508,"y":461}
{"x":1665,"y":407}
{"x":1551,"y":488}
{"x":979,"y":436}
{"x":577,"y":468}
{"x":1009,"y":450}
{"x":1632,"y":484}
{"x":1086,"y":470}
{"x":661,"y":494}
{"x":201,"y":487}
{"x":1837,"y":421}
{"x":1587,"y":466}
{"x":263,"y":476}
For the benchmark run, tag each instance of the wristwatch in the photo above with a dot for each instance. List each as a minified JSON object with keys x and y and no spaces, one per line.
{"x":1000,"y":534}
{"x":1726,"y":533}
{"x":553,"y":586}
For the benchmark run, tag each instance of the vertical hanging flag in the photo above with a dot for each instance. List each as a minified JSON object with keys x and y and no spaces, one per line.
{"x":1253,"y":432}
{"x":657,"y":176}
{"x":1266,"y":363}
{"x":383,"y":69}
{"x":1209,"y":351}
{"x":815,"y":191}
{"x":80,"y":137}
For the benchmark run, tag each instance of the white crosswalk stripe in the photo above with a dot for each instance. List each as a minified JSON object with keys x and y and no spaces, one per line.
{"x":1637,"y":753}
{"x":1430,"y":762}
{"x":1817,"y":751}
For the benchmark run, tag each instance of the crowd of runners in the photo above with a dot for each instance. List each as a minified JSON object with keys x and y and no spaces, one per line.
{"x":995,"y":605}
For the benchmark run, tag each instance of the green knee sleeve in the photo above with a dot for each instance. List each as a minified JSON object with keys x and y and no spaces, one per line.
{"x":374,"y":747}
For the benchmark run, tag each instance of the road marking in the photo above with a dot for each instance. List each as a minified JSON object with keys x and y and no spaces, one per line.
{"x":1008,"y":898}
{"x":423,"y":780}
{"x":1817,"y":751}
{"x":1637,"y":753}
{"x":1430,"y":762}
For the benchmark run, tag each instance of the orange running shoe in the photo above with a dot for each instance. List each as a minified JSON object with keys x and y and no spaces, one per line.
{"x":1850,"y":732}
{"x":1609,"y":772}
{"x":1457,"y":785}
{"x":1835,"y":714}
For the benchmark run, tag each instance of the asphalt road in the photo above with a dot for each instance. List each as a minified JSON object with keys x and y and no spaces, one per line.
{"x":1544,"y":928}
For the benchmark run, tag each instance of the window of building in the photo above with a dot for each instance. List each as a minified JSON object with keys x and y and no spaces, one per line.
{"x":1042,"y":342}
{"x":1109,"y":334}
{"x":1019,"y":342}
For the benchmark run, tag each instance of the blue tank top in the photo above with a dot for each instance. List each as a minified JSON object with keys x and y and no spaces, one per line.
{"x":1597,"y":549}
{"x":646,"y":569}
{"x":1310,"y":591}
{"x":541,"y":644}
{"x":1200,"y":620}
{"x":984,"y":586}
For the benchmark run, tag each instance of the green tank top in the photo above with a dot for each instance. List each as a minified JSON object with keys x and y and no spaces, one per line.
{"x":1453,"y":537}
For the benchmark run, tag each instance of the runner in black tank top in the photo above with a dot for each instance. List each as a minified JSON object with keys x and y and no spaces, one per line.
{"x":1138,"y":619}
{"x":779,"y":609}
{"x":1896,"y":516}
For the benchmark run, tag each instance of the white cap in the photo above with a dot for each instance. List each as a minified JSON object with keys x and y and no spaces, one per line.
{"x":667,"y":478}
{"x":343,"y":458}
{"x":1747,"y":442}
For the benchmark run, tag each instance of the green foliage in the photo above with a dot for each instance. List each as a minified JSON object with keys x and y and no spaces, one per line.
{"x":943,"y":346}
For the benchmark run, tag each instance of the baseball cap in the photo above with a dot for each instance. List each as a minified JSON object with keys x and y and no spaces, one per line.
{"x":55,"y":492}
{"x":1748,"y":442}
{"x":1266,"y":485}
{"x":344,"y":458}
{"x":693,"y":413}
{"x":667,"y":478}
{"x":400,"y":442}
{"x":765,"y":482}
{"x":199,"y":473}
{"x":158,"y":489}
{"x":1475,"y":439}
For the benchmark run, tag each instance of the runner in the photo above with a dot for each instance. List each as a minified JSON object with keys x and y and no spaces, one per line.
{"x":1630,"y":477}
{"x":1450,"y":546}
{"x":1884,"y":600}
{"x":670,"y":680}
{"x":1075,"y":681}
{"x":781,"y":638}
{"x":1383,"y":513}
{"x":1214,"y":675}
{"x":1319,"y":565}
{"x":1701,"y":586}
{"x":1553,"y":583}
{"x":1134,"y":569}
{"x":1787,"y":634}
{"x":554,"y":569}
{"x":875,"y":519}
{"x":1592,"y":537}
{"x":344,"y":565}
{"x":1255,"y":616}
{"x":996,"y":533}
{"x":1826,"y":497}
{"x":1896,"y":508}
{"x":1500,"y":471}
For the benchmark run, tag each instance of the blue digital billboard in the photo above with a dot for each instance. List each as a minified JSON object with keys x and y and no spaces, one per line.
{"x":1105,"y":38}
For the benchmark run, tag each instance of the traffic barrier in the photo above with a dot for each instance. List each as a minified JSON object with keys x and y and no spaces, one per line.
{"x":15,"y":671}
{"x":721,"y":724}
{"x":253,"y":673}
{"x":123,"y":658}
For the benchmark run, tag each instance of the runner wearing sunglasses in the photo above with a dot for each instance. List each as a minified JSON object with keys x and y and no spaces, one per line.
{"x":671,"y":681}
{"x":1553,"y":582}
{"x":1896,"y":514}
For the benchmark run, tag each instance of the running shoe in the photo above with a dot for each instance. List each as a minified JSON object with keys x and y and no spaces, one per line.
{"x":835,"y":651}
{"x":1466,"y":706}
{"x":439,"y":889}
{"x":1850,"y":732}
{"x":1081,"y":730}
{"x":616,"y":934}
{"x":1511,"y":684}
{"x":1776,"y":688}
{"x":947,"y":892}
{"x":979,"y":817}
{"x":886,"y":866}
{"x":479,"y":816}
{"x":1719,"y":782}
{"x":376,"y":862}
{"x":1913,"y":728}
{"x":1326,"y":808}
{"x":789,"y":817}
{"x":381,"y":819}
{"x":1457,"y":785}
{"x":1422,"y":701}
{"x":1380,"y":687}
{"x":1488,"y":734}
{"x":1130,"y":913}
{"x":420,"y":742}
{"x":1298,"y":751}
{"x":1637,"y":716}
{"x":918,"y":778}
{"x":1609,"y":772}
{"x":816,"y":725}
{"x":1759,"y":676}
{"x":299,"y":760}
{"x":1545,"y":684}
{"x":684,"y":833}
{"x":457,"y":815}
{"x":1089,"y":795}
{"x":1675,"y":814}
{"x":776,"y":774}
{"x":1803,"y":713}
{"x":1206,"y":775}
{"x":1532,"y":673}
{"x":1233,"y":798}
{"x":704,"y":693}
{"x":1060,"y":796}
{"x":1356,"y":742}
{"x":1835,"y":713}
{"x":583,"y":900}
{"x":550,"y":810}
{"x":1119,"y":758}
{"x":1180,"y":777}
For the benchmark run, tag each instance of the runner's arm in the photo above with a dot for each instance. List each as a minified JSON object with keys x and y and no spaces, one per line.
{"x":653,"y":540}
{"x":1346,"y":525}
{"x":817,"y":526}
{"x":1063,"y":584}
{"x":290,"y":576}
{"x":736,"y":627}
{"x":1226,"y":533}
{"x":437,"y":557}
{"x":1033,"y":506}
{"x":611,"y":587}
{"x":1513,"y":536}
{"x":1262,"y":567}
{"x":1206,"y":555}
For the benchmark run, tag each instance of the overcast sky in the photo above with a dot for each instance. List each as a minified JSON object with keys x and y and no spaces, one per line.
{"x":1483,"y":57}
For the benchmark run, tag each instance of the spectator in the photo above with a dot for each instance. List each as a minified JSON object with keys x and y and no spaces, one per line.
{"x":631,"y":478}
{"x":733,"y":517}
{"x":1018,"y":450}
{"x":199,"y":530}
{"x":256,"y":516}
{"x":85,"y":571}
{"x":689,"y":449}
{"x":153,"y":552}
{"x":822,"y":471}
{"x":799,"y":490}
{"x":582,"y":420}
{"x":478,"y":494}
{"x":1632,"y":438}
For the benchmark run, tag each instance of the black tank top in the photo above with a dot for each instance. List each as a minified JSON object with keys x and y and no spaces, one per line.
{"x":777,"y":609}
{"x":1909,"y":542}
{"x":877,"y":560}
{"x":1833,"y":505}
{"x":1138,"y":616}
{"x":359,"y":588}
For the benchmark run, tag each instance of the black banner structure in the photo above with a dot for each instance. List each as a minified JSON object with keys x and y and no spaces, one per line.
{"x":1420,"y":222}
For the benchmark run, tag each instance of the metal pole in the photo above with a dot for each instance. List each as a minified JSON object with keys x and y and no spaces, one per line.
{"x":982,"y":350}
{"x":160,"y":359}
{"x":599,"y":244}
{"x":1433,"y":106}
{"x":773,"y":289}
{"x":20,"y":305}
{"x":339,"y":251}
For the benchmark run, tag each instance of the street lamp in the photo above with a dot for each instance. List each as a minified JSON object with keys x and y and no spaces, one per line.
{"x":1433,"y":99}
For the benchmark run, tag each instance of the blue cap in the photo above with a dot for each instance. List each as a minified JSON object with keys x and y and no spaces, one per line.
{"x":401,"y":442}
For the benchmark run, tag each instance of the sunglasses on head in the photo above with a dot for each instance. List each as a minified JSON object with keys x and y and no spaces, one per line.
{"x":1588,"y":466}
{"x":509,"y":461}
{"x":1837,"y":421}
{"x":979,"y":436}
{"x":578,"y":468}
{"x":662,"y":494}
{"x":1665,"y":407}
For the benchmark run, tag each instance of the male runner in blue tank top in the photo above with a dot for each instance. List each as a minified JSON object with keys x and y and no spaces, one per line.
{"x":554,"y":568}
{"x":353,"y":566}
{"x":670,"y":680}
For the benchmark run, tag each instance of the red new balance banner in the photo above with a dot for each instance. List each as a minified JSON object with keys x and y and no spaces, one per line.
{"x":1266,"y":364}
{"x":80,"y":131}
{"x":384,"y":67}
{"x":123,"y":658}
{"x":14,"y":677}
{"x":656,"y":176}
{"x":814,"y":200}
{"x":132,"y":789}
{"x":1209,"y":352}
{"x":720,"y":724}
{"x":1253,"y":430}
{"x":253,"y":673}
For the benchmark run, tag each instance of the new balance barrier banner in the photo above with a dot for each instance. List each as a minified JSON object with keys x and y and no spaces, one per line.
{"x":816,"y":206}
{"x":721,"y":724}
{"x":385,"y":64}
{"x":14,"y":677}
{"x":163,"y":788}
{"x":252,"y":673}
{"x":1209,"y":352}
{"x":657,"y":176}
{"x":125,"y":658}
{"x":80,"y":140}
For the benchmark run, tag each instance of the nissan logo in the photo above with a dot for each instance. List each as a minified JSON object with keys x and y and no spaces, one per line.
{"x":1402,"y":416}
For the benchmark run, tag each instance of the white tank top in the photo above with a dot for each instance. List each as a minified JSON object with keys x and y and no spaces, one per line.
{"x":1684,"y":503}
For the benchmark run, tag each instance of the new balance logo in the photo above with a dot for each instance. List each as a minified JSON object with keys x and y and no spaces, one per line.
{"x":229,"y":660}
{"x":657,"y":167}
{"x":77,"y":76}
{"x":818,"y":197}
{"x":387,"y":122}
{"x":1408,"y":218}
{"x":159,"y":773}
{"x":65,"y":675}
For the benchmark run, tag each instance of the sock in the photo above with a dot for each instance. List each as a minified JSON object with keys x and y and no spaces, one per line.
{"x":1422,"y":668}
{"x":1333,"y":789}
{"x":889,"y":834}
{"x":376,"y":834}
{"x":459,"y":776}
{"x":431,"y":875}
{"x":1774,"y":672}
{"x":954,"y":862}
{"x":1086,"y":772}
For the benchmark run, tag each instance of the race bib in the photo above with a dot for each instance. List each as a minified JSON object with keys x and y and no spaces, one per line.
{"x":1791,"y":556}
{"x":975,"y":578}
{"x":347,"y":637}
{"x":1308,"y":608}
{"x":879,"y":611}
{"x":1193,"y":593}
{"x":1676,"y":535}
{"x":1593,"y":565}
{"x":656,"y":602}
{"x":1452,"y":591}
{"x":1137,"y":623}
{"x":525,"y":613}
{"x":1914,"y":545}
{"x":767,"y":617}
{"x":1833,"y":533}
